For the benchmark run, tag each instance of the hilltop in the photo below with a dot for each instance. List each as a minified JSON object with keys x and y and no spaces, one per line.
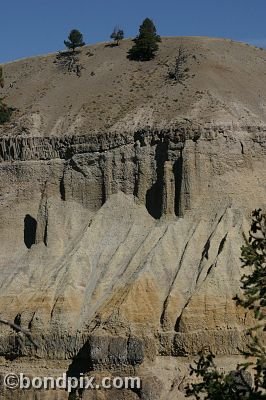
{"x":226,"y":83}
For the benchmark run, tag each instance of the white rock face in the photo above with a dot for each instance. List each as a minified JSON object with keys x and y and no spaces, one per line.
{"x":86,"y":264}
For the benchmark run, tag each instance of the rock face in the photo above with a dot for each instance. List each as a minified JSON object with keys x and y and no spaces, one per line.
{"x":120,"y":251}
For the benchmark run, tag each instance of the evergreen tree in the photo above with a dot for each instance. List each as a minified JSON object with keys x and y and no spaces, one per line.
{"x":146,"y":43}
{"x":5,"y":111}
{"x":75,"y":39}
{"x":1,"y":78}
{"x":237,"y":385}
{"x":117,"y":35}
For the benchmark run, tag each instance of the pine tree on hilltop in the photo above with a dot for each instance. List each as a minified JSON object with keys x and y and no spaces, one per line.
{"x":146,"y":43}
{"x":117,"y":35}
{"x":75,"y":39}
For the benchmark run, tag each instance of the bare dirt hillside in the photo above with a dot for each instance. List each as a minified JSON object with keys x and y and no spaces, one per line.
{"x":226,"y":83}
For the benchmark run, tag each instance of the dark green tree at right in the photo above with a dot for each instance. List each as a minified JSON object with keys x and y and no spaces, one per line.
{"x":146,"y":43}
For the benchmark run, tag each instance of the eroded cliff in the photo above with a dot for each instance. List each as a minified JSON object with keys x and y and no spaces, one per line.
{"x":120,"y":248}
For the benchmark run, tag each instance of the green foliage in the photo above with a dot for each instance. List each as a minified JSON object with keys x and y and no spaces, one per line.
{"x":75,"y":39}
{"x":1,"y":78}
{"x":117,"y":35}
{"x":146,"y":43}
{"x":254,"y":298}
{"x":215,"y":385}
{"x":5,"y":112}
{"x":254,"y":256}
{"x":178,"y":72}
{"x":237,"y":385}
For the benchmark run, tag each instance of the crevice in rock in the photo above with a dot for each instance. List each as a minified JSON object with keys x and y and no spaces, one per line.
{"x":17,"y":321}
{"x":205,"y":253}
{"x":154,"y":195}
{"x":104,"y":195}
{"x":207,"y":246}
{"x":30,"y":227}
{"x":178,"y":173}
{"x":179,"y":318}
{"x":166,"y":302}
{"x":210,"y":269}
{"x":81,"y":364}
{"x":102,"y":163}
{"x":220,"y":249}
{"x":177,"y":324}
{"x":222,"y":245}
{"x":62,"y":189}
{"x":45,"y":236}
{"x":31,"y":321}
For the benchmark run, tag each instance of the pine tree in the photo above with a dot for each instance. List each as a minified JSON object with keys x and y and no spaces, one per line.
{"x":146,"y":43}
{"x":75,"y":39}
{"x":1,"y":78}
{"x":117,"y":35}
{"x":5,"y":111}
{"x":238,"y":385}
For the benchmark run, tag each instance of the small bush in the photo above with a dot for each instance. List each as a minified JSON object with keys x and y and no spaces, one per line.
{"x":117,"y":35}
{"x":5,"y":112}
{"x":177,"y":71}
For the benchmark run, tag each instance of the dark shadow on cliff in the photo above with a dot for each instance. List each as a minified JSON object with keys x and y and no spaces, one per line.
{"x":81,"y":364}
{"x":62,"y":189}
{"x":178,"y":172}
{"x":30,"y":227}
{"x":154,"y":196}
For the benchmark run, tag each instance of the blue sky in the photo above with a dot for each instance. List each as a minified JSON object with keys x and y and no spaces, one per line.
{"x":33,"y":27}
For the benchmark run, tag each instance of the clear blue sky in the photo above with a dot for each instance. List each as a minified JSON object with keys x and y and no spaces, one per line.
{"x":33,"y":27}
